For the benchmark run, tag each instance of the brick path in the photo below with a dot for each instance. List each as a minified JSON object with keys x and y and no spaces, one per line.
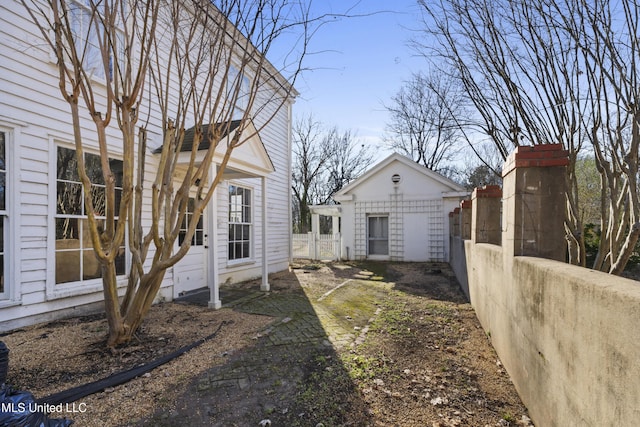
{"x":263,"y":381}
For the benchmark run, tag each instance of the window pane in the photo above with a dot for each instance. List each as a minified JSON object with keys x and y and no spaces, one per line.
{"x":98,"y":197}
{"x":90,"y":265}
{"x":2,"y":154}
{"x":93,"y":168}
{"x":245,"y":232}
{"x":117,"y":170}
{"x":3,"y":186}
{"x":118,"y":197}
{"x":231,"y":252}
{"x":1,"y":273}
{"x":245,"y":250}
{"x":120,"y":262}
{"x":378,"y":247}
{"x":1,"y":235}
{"x":199,"y":240}
{"x":67,"y":266}
{"x":181,"y":237}
{"x":67,"y":229}
{"x":67,"y":164}
{"x":69,"y":200}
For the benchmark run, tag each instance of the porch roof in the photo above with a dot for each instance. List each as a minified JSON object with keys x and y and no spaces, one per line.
{"x":249,"y":160}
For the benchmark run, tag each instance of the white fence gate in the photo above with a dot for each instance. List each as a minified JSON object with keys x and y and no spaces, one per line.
{"x":316,"y":246}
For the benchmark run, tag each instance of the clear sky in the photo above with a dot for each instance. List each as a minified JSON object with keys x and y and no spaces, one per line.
{"x":361,"y":62}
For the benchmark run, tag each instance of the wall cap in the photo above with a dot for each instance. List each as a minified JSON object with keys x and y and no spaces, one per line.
{"x":536,"y":156}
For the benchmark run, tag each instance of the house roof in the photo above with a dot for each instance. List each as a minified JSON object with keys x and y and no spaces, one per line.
{"x":396,"y":157}
{"x":249,"y":159}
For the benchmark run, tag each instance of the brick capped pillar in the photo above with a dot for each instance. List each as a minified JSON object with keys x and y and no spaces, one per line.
{"x":465,"y":219}
{"x":486,"y":226}
{"x":534,"y":187}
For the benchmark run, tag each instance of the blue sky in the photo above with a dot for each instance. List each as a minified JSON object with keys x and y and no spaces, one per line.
{"x":361,"y":62}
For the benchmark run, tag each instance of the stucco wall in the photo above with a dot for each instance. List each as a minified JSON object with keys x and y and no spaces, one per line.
{"x":568,"y":336}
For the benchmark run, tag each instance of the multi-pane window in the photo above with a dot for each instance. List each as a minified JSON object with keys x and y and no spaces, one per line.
{"x":75,"y":258}
{"x":238,"y":89}
{"x":3,"y":213}
{"x":378,"y":235}
{"x":198,"y":237}
{"x":87,"y":28}
{"x":239,"y":222}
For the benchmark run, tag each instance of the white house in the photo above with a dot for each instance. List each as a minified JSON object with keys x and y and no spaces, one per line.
{"x":397,"y":211}
{"x":244,"y":233}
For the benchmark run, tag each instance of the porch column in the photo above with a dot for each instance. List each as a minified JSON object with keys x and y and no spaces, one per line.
{"x":265,"y":262}
{"x":335,"y":224}
{"x":212,"y":248}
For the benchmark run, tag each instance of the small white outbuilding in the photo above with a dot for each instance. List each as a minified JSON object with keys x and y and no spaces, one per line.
{"x":398,"y":211}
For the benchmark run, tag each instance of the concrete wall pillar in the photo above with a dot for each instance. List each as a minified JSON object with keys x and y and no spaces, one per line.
{"x":486,"y":226}
{"x":465,"y":219}
{"x":454,"y":222}
{"x":534,"y":187}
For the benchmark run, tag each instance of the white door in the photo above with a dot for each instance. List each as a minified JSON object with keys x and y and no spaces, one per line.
{"x":378,"y":236}
{"x":191,"y":271}
{"x":416,"y":237}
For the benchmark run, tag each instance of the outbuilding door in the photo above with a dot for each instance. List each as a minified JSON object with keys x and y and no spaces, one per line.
{"x":378,"y":236}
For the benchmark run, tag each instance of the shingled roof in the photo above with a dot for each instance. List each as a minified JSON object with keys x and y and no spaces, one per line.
{"x":187,"y":144}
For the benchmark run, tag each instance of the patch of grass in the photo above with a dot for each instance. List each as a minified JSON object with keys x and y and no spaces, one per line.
{"x":363,"y":368}
{"x":508,"y":416}
{"x":394,"y":319}
{"x":353,"y":304}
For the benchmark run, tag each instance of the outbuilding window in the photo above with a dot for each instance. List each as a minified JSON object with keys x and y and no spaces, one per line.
{"x":378,"y":234}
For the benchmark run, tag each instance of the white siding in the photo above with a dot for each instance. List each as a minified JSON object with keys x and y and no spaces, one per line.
{"x":416,"y":208}
{"x":31,"y":107}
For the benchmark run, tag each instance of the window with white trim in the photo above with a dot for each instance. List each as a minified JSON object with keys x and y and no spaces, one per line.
{"x":4,"y":229}
{"x":198,"y":236}
{"x":238,"y":82}
{"x":239,"y":223}
{"x":75,"y":258}
{"x":378,"y":234}
{"x":86,"y":31}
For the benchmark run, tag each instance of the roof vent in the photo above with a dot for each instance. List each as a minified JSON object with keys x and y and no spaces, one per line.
{"x":395,"y":178}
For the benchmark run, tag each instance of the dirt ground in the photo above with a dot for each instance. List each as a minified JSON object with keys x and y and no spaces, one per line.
{"x":402,"y":348}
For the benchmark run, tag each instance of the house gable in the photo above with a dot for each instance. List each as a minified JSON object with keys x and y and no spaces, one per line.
{"x":250,"y":159}
{"x":412,"y":180}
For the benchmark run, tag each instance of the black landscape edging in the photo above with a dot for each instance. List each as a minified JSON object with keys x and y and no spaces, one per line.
{"x":73,"y":394}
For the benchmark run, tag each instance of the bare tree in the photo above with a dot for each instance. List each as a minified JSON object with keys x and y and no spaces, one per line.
{"x":350,"y":159}
{"x":424,"y":118}
{"x":547,"y":71}
{"x":312,"y":150}
{"x":166,"y":66}
{"x":324,"y":160}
